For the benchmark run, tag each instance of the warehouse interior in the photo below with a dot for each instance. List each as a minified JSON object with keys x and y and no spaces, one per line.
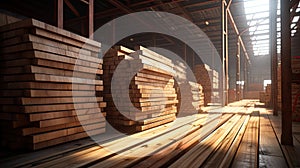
{"x":153,"y":83}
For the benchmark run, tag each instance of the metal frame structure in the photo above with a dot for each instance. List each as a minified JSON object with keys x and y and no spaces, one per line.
{"x":286,"y":79}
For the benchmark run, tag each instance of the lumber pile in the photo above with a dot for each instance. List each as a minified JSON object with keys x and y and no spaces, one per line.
{"x":190,"y":98}
{"x":296,"y":65}
{"x":296,"y":90}
{"x":279,"y":87}
{"x":265,"y":97}
{"x":189,"y":93}
{"x":296,"y":101}
{"x":45,"y":99}
{"x":231,"y":95}
{"x":151,"y":89}
{"x":201,"y":140}
{"x":209,"y":79}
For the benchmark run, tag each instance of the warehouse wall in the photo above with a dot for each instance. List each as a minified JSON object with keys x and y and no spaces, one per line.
{"x":260,"y":69}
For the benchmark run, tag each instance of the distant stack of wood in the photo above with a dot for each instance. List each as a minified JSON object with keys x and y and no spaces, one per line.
{"x":296,"y":101}
{"x":190,"y":94}
{"x":45,"y":99}
{"x":231,"y":95}
{"x":265,"y":97}
{"x":191,"y":98}
{"x":151,"y":89}
{"x":279,"y":87}
{"x":209,"y":79}
{"x":296,"y":90}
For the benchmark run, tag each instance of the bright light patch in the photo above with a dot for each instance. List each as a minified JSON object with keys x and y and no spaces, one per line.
{"x":257,"y":15}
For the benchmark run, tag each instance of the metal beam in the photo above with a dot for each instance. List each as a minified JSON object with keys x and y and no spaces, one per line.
{"x":91,"y":19}
{"x":72,"y":8}
{"x":238,"y":70}
{"x":273,"y":55}
{"x":184,"y":11}
{"x":224,"y":51}
{"x":60,"y":13}
{"x":286,"y":79}
{"x":238,"y":33}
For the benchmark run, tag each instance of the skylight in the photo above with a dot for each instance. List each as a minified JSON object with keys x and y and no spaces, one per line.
{"x":257,"y":14}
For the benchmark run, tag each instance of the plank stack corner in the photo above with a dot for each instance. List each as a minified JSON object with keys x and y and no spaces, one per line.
{"x":51,"y":86}
{"x":148,"y":79}
{"x":209,"y":80}
{"x":296,"y":89}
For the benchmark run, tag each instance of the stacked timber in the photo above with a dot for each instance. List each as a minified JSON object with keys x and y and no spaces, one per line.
{"x":50,"y":86}
{"x":296,"y":101}
{"x":296,"y":65}
{"x":190,"y":94}
{"x":191,"y":99}
{"x":231,"y":95}
{"x":268,"y":95}
{"x":209,"y":79}
{"x":279,"y":104}
{"x":262,"y":97}
{"x":296,"y":90}
{"x":144,"y":77}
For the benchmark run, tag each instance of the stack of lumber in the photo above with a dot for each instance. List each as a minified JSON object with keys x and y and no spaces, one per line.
{"x":296,"y":90}
{"x":296,"y":101}
{"x":268,"y":95}
{"x":151,"y":89}
{"x":45,"y":99}
{"x":190,"y":94}
{"x":296,"y":65}
{"x":231,"y":95}
{"x":262,"y":97}
{"x":190,"y":98}
{"x":279,"y":104}
{"x":202,"y":140}
{"x":209,"y":79}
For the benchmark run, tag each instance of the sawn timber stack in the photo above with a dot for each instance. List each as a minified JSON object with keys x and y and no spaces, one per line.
{"x":51,"y":83}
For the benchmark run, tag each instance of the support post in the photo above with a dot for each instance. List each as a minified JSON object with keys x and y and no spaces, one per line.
{"x":286,"y":79}
{"x":91,"y":19}
{"x":224,"y":52}
{"x":246,"y":74}
{"x":59,"y":8}
{"x":273,"y":54}
{"x":238,"y":70}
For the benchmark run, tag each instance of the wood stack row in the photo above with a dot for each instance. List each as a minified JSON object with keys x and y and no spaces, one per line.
{"x":265,"y":97}
{"x":296,"y":90}
{"x":279,"y":104}
{"x":296,"y":101}
{"x":209,"y":79}
{"x":296,"y":65}
{"x":45,"y":99}
{"x":149,"y":83}
{"x":190,"y":94}
{"x":191,"y":98}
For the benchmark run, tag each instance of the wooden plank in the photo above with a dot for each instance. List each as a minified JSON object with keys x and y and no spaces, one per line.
{"x":247,"y":154}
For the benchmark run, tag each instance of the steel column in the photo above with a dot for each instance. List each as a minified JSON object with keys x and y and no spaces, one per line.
{"x":273,"y":54}
{"x":91,"y":19}
{"x":59,"y":5}
{"x":224,"y":52}
{"x":286,"y":71}
{"x":238,"y":70}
